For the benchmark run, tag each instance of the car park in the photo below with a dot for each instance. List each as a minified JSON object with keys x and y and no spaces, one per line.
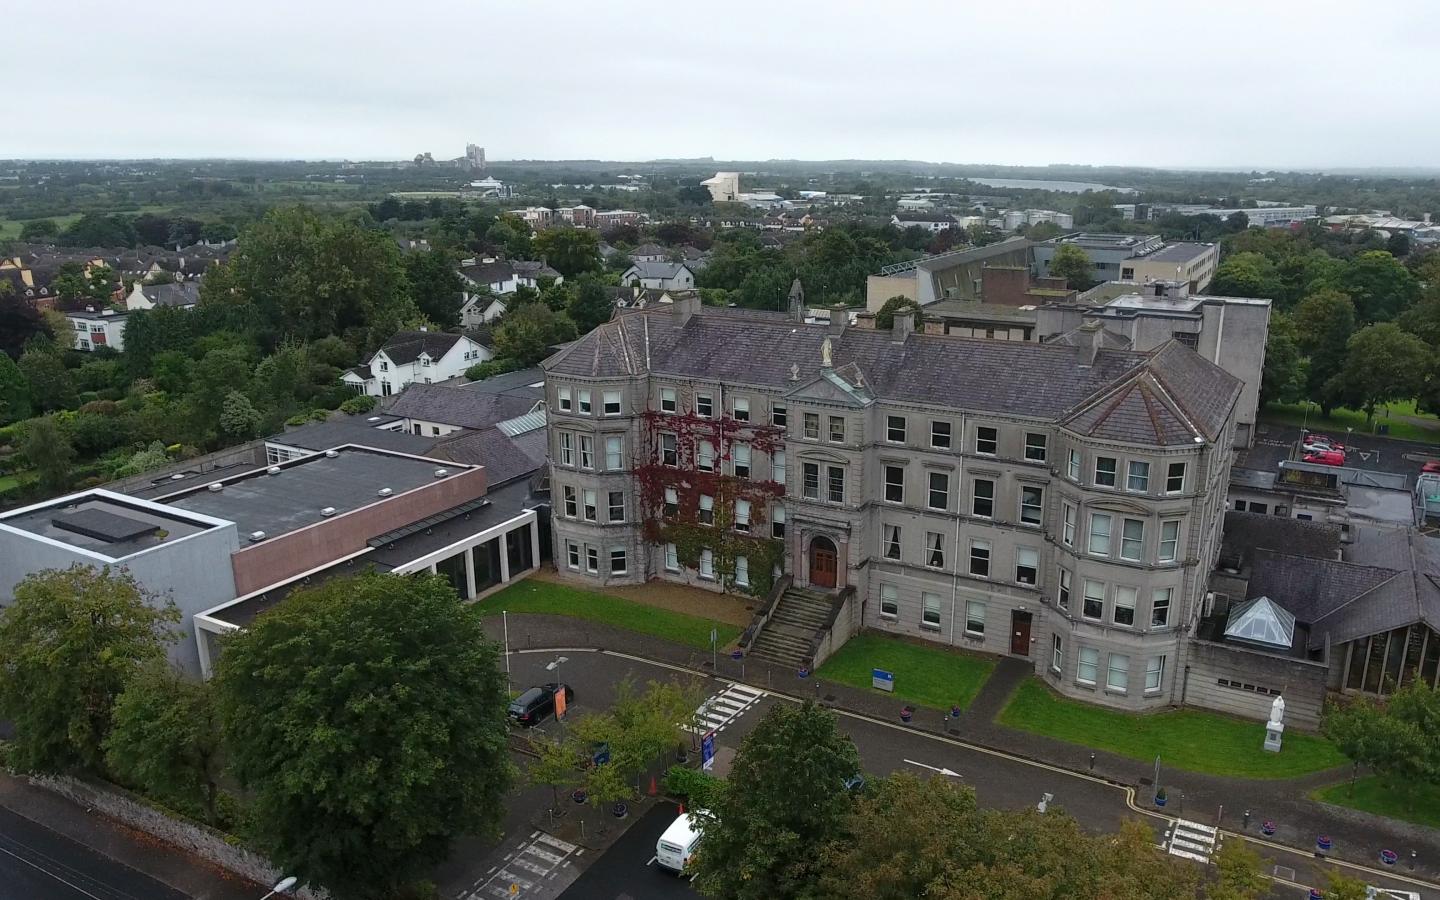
{"x":1326,"y":458}
{"x":538,"y":703}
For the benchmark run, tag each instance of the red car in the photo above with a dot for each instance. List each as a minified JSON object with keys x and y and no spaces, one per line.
{"x":1313,"y":438}
{"x":1326,"y":458}
{"x":1431,"y":467}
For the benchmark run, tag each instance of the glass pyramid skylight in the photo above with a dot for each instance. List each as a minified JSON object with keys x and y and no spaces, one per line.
{"x":1261,"y":621}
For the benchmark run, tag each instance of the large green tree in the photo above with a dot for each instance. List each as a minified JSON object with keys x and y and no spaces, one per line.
{"x":885,"y":318}
{"x":591,"y":305}
{"x":569,"y":251}
{"x":1246,"y":275}
{"x":48,"y":449}
{"x":1380,"y":285}
{"x":787,"y":800}
{"x":1399,"y":738}
{"x":1382,"y":363}
{"x":1324,"y":322}
{"x":366,"y":720}
{"x":165,"y":739}
{"x":1072,"y":264}
{"x":14,"y":392}
{"x":69,"y":645}
{"x":1239,"y":873}
{"x":435,"y":287}
{"x":527,"y":333}
{"x":1283,"y":379}
{"x":51,"y":386}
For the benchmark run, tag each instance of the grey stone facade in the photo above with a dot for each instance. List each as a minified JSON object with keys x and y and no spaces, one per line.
{"x":973,"y":492}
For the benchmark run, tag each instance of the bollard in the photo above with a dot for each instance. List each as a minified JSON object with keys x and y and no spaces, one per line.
{"x":1247,"y":819}
{"x":1092,"y":762}
{"x":1412,"y":860}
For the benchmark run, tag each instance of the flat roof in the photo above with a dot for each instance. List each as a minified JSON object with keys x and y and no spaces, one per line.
{"x":358,"y":430}
{"x":521,"y":383}
{"x":1180,"y":252}
{"x":1149,"y":301}
{"x":1102,"y":241}
{"x":292,"y":499}
{"x":106,"y":524}
{"x":972,"y":309}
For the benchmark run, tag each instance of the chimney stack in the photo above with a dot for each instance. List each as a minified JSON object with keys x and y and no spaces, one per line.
{"x":1091,"y":337}
{"x":903,"y":327}
{"x":686,"y":305}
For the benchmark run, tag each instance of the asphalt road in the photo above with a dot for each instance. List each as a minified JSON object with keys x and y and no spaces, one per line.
{"x":38,"y":864}
{"x":1364,"y":451}
{"x":626,"y":872}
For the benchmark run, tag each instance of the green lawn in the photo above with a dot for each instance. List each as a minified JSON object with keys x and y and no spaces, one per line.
{"x":535,"y":596}
{"x":10,"y":481}
{"x":930,"y":676}
{"x":1418,"y":803}
{"x":1184,"y":739}
{"x":1341,"y":419}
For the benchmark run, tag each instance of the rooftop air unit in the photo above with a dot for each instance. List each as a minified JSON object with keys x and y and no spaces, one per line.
{"x":384,"y":492}
{"x":331,"y":454}
{"x":441,"y":473}
{"x":257,"y":536}
{"x":215,"y":487}
{"x":328,"y":511}
{"x":273,"y":470}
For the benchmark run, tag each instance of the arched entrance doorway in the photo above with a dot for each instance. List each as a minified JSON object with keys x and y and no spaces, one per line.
{"x":822,"y":561}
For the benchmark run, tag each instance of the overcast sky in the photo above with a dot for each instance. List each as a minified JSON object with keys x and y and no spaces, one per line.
{"x":1282,"y":83}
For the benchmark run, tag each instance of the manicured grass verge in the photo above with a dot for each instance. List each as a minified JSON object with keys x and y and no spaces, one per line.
{"x":1418,"y":803}
{"x":1340,"y":419}
{"x":927,"y":675}
{"x":533,"y":596}
{"x":1185,"y":739}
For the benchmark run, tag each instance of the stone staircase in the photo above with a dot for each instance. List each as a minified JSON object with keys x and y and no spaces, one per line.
{"x":786,"y":636}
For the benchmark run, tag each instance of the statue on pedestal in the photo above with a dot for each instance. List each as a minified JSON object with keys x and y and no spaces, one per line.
{"x":1275,"y":728}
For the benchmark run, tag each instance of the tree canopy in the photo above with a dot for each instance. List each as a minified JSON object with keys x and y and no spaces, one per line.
{"x":1072,"y":264}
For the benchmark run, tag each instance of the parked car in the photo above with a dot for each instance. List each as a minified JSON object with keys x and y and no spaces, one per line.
{"x":1431,"y":467}
{"x":1320,"y":447}
{"x":1326,"y":458}
{"x":1313,"y":438}
{"x":535,"y":705}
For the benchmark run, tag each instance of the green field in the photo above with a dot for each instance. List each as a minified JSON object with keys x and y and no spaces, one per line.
{"x":1397,"y":416}
{"x":930,"y":676}
{"x":534,"y":596}
{"x":1183,"y":739}
{"x":10,"y":228}
{"x":1418,"y":803}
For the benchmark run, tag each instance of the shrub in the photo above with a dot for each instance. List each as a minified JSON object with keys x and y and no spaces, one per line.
{"x":696,"y":787}
{"x":491,"y":369}
{"x":357,"y":405}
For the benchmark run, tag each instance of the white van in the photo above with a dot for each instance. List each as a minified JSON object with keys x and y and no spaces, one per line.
{"x":677,"y":845}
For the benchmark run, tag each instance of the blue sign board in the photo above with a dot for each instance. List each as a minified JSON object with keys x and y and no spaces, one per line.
{"x":707,"y":750}
{"x":882,"y":680}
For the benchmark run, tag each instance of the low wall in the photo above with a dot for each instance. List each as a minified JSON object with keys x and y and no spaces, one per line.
{"x":1251,"y":681}
{"x":844,"y":623}
{"x":249,"y":455}
{"x":206,"y":843}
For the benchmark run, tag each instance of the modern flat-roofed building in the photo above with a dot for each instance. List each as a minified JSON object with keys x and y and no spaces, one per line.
{"x":954,"y":275}
{"x":1057,"y":504}
{"x":1194,"y":264}
{"x":1108,"y":253}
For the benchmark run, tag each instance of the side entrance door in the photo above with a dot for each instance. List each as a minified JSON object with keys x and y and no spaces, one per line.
{"x":1019,"y":632}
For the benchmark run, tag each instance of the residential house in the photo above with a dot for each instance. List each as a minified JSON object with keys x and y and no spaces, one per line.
{"x":182,"y":294}
{"x":95,"y":328}
{"x":929,"y":220}
{"x":664,"y":276}
{"x":415,"y":356}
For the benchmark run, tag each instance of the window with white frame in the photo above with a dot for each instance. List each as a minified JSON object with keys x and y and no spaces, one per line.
{"x":982,"y":501}
{"x":895,"y":429}
{"x":740,"y":457}
{"x":1088,"y":666}
{"x":837,"y":429}
{"x":1035,"y":446}
{"x":704,"y":405}
{"x":1169,"y":540}
{"x":980,"y":559}
{"x":1175,"y":478}
{"x":705,"y":456}
{"x":742,"y":571}
{"x":987,"y":440}
{"x":1160,"y":607}
{"x":1067,"y":525}
{"x":614,"y":452}
{"x":890,"y":541}
{"x":592,"y":560}
{"x":889,"y":601}
{"x":939,"y":490}
{"x":740,"y":409}
{"x":572,"y":554}
{"x":707,"y":510}
{"x":619,"y":564}
{"x":587,"y":452}
{"x":1062,"y":588}
{"x":567,"y":449}
{"x":1027,"y":564}
{"x":835,"y":484}
{"x":895,"y":484}
{"x":1032,"y":504}
{"x":563,"y":395}
{"x":1132,"y":540}
{"x":668,"y":402}
{"x":1093,"y":605}
{"x":810,"y":487}
{"x":583,"y":400}
{"x":672,"y":558}
{"x":1117,"y":675}
{"x":940,"y":434}
{"x":1073,"y":466}
{"x":616,"y":506}
{"x":572,"y":503}
{"x":1100,"y":524}
{"x":1057,"y":654}
{"x":777,"y":522}
{"x":777,"y":466}
{"x":611,"y":399}
{"x":1154,"y":674}
{"x":707,"y":564}
{"x":672,"y":502}
{"x":779,"y":417}
{"x":669,"y":455}
{"x":591,"y":507}
{"x":934,"y":550}
{"x":1137,"y":477}
{"x":1105,"y":468}
{"x":930,"y":617}
{"x":742,"y":515}
{"x":812,"y":426}
{"x":1122,"y":611}
{"x":975,"y":618}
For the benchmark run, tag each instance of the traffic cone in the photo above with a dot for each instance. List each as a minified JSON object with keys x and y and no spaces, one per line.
{"x":652,"y":786}
{"x":682,"y":809}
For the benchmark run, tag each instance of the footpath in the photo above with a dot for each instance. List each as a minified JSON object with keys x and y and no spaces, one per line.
{"x":1355,"y":836}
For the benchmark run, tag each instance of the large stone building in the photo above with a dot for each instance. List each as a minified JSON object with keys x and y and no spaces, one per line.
{"x":1056,"y":503}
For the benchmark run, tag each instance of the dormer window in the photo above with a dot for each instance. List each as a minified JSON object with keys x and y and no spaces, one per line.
{"x":384,"y":366}
{"x":425,"y":361}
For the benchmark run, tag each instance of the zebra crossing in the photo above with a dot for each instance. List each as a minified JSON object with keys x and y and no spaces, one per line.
{"x":528,"y":870}
{"x":723,"y":708}
{"x":1191,"y":840}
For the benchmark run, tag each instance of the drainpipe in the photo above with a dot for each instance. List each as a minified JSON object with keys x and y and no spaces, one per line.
{"x":959,"y":492}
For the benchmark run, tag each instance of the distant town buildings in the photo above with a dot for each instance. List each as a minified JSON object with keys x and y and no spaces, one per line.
{"x":724,"y":187}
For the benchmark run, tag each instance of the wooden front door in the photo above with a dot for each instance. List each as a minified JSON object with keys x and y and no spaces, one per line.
{"x":1019,"y":633}
{"x":822,"y":562}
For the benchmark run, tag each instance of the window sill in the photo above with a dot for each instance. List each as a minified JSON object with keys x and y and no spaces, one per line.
{"x":1116,"y":693}
{"x":889,"y":617}
{"x":928,"y":627}
{"x":672,"y":571}
{"x":973,"y":636}
{"x":1153,"y":692}
{"x":1085,"y":685}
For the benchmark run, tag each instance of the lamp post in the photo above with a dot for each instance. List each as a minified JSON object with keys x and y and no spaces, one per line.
{"x":283,"y":886}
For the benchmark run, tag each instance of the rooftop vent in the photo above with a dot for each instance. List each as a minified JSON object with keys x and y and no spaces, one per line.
{"x":441,"y":473}
{"x":328,"y":511}
{"x":257,"y":536}
{"x":384,"y":492}
{"x":215,"y":487}
{"x":331,"y":454}
{"x":273,"y":470}
{"x":177,"y":476}
{"x":373,"y":419}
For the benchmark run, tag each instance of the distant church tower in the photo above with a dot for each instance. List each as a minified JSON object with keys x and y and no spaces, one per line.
{"x":797,"y":301}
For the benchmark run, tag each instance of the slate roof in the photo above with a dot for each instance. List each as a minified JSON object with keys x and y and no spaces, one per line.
{"x":182,"y":293}
{"x":532,"y":269}
{"x":1187,"y":395}
{"x":649,"y":250}
{"x":406,"y":346}
{"x":488,"y":273}
{"x":458,"y":405}
{"x":658,"y":269}
{"x":1075,"y":337}
{"x":1247,"y":532}
{"x":504,"y":457}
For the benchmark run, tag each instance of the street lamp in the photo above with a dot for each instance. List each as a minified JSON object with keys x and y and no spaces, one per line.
{"x":283,"y":886}
{"x":555,"y":666}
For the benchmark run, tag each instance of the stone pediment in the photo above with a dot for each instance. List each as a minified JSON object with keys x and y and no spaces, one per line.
{"x":828,"y":387}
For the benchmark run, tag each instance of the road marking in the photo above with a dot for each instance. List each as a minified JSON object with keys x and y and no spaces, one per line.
{"x":555,"y":842}
{"x":536,"y":856}
{"x":723,"y":708}
{"x":652,"y":861}
{"x":1191,"y":840}
{"x":942,"y":771}
{"x":39,"y":868}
